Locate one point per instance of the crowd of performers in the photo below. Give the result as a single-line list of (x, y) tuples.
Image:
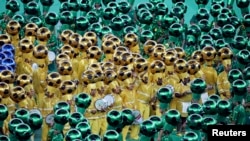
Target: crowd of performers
[(112, 71)]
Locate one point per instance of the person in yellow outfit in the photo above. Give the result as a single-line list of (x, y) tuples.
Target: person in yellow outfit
[(128, 95), (18, 94), (194, 70), (149, 47), (225, 55), (30, 30), (47, 105), (182, 90), (13, 28), (108, 47), (209, 54)]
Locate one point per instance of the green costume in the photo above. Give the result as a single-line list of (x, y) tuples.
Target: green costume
[(224, 109), (115, 119), (194, 124), (164, 95)]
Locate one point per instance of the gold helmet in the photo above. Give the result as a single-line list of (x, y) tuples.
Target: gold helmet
[(180, 52), (108, 46), (193, 66), (99, 73), (67, 87), (180, 66), (54, 79), (158, 53), (61, 57), (7, 76), (64, 36), (4, 89), (109, 76), (74, 40), (116, 40), (94, 52), (124, 72), (225, 53), (130, 40), (88, 76), (209, 53), (140, 65), (18, 94), (149, 46), (169, 58), (65, 67), (43, 34), (23, 80), (126, 58), (117, 54), (13, 27), (30, 29), (95, 66), (197, 55), (84, 44), (91, 36), (4, 39), (160, 45), (40, 51), (108, 66), (157, 66), (107, 37), (67, 49), (25, 45)]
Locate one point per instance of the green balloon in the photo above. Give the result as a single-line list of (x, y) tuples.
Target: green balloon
[(123, 7), (220, 43), (158, 122), (194, 121), (198, 86), (140, 6), (61, 116), (95, 27), (216, 33), (234, 74), (4, 138), (209, 107), (75, 118), (35, 121), (13, 123), (172, 117), (111, 135), (214, 97), (82, 23), (148, 128), (150, 7), (165, 95), (51, 18), (146, 35), (190, 136), (246, 20), (33, 8), (109, 13), (85, 5), (220, 2), (242, 3), (235, 21), (202, 13), (224, 108), (23, 114), (92, 17), (73, 134), (176, 30), (19, 18), (194, 30), (208, 121), (239, 42), (84, 128), (239, 87), (117, 23), (195, 108), (145, 17), (93, 137), (127, 117), (161, 9), (127, 20), (243, 56), (113, 4), (182, 5), (228, 31), (23, 131), (205, 25), (3, 112), (205, 37), (13, 6), (64, 7), (222, 19), (167, 21), (130, 29), (215, 10), (66, 17), (37, 21), (62, 105), (206, 42), (105, 30), (114, 118), (178, 12), (73, 5)]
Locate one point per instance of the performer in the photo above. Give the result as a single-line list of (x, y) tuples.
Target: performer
[(194, 70), (13, 29), (223, 83), (30, 30), (18, 94), (224, 112), (132, 42)]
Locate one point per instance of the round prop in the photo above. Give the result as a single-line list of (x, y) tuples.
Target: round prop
[(51, 55), (35, 111), (109, 99), (100, 104), (49, 119), (138, 117)]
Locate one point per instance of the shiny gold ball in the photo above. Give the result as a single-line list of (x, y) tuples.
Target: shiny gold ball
[(65, 67), (197, 55), (149, 46), (130, 40), (74, 40), (25, 45), (84, 44), (108, 47), (209, 53), (54, 79), (30, 29), (123, 73), (94, 52), (225, 53), (193, 66), (140, 65), (169, 58), (18, 94), (67, 49), (4, 39), (13, 27), (4, 90), (64, 36), (43, 34), (180, 52), (180, 66), (23, 80), (91, 36), (7, 76), (61, 57), (157, 66), (40, 51), (67, 87), (109, 76)]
